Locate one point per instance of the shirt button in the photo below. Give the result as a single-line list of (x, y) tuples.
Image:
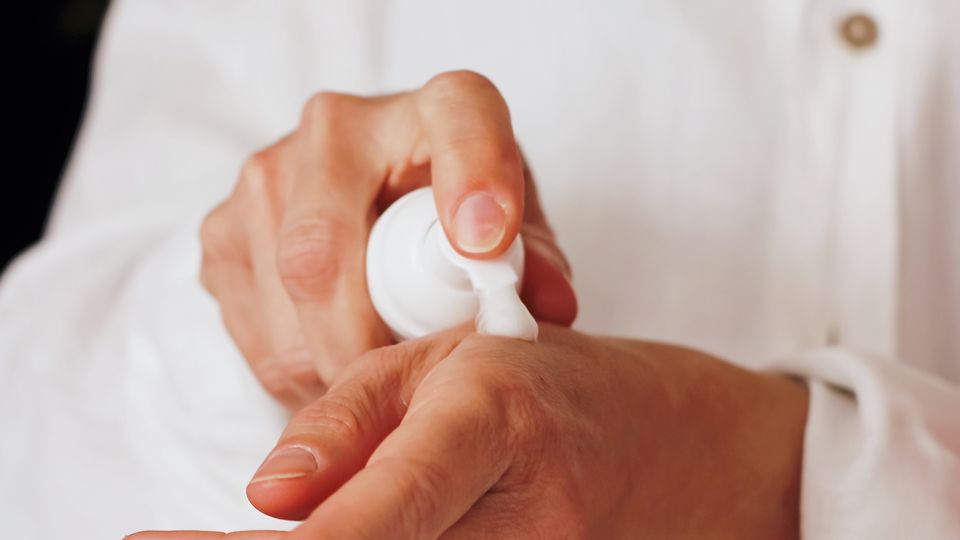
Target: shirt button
[(859, 31)]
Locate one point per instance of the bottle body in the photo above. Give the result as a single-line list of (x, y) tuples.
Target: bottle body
[(419, 284)]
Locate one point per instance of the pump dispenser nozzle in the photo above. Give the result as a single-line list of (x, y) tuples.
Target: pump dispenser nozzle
[(419, 284)]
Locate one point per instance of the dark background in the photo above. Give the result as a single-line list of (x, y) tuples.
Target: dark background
[(47, 89)]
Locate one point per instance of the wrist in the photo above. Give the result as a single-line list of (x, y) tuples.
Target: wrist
[(767, 449), (717, 451)]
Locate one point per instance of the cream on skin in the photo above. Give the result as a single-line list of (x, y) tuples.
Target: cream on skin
[(420, 285)]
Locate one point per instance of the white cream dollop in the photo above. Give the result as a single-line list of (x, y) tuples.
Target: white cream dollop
[(496, 283), (502, 313)]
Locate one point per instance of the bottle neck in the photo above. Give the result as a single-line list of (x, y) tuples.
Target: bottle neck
[(496, 282), (434, 254)]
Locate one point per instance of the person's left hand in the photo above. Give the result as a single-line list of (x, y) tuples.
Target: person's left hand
[(464, 436), (284, 254)]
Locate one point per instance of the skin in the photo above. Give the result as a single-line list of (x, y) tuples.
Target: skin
[(458, 435), (464, 436), (285, 251)]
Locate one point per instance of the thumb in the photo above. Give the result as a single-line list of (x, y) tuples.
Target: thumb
[(476, 168), (480, 182), (328, 441)]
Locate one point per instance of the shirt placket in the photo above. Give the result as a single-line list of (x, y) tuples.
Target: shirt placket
[(862, 37), (833, 238)]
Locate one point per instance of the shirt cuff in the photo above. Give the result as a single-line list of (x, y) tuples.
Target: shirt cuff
[(881, 449)]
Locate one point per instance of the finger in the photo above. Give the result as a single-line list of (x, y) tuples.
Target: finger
[(289, 371), (291, 378), (329, 210), (547, 287), (232, 284), (330, 440), (233, 272), (225, 263), (547, 291), (259, 214), (475, 164), (220, 241), (447, 453), (207, 535)]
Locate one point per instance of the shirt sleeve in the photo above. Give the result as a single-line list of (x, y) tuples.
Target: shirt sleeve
[(881, 449)]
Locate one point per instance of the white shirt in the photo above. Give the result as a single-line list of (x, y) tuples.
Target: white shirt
[(733, 178)]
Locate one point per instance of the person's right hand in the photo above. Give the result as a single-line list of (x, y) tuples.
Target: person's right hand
[(284, 254)]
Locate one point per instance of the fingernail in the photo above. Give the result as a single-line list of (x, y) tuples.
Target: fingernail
[(287, 463), (479, 223)]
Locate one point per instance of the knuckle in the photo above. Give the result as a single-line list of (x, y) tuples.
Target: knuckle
[(208, 279), (273, 381), (287, 373), (386, 358), (260, 179), (309, 258), (257, 166), (335, 415), (262, 175), (455, 82), (532, 424), (326, 109), (519, 400), (218, 236), (483, 410), (373, 365), (214, 227)]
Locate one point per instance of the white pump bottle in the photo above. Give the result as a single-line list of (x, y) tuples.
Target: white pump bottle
[(419, 284)]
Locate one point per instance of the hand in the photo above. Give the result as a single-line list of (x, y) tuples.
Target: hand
[(284, 254), (464, 436)]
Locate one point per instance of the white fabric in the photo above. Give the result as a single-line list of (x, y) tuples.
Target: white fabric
[(732, 177)]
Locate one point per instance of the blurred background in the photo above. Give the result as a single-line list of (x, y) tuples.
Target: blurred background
[(48, 88)]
